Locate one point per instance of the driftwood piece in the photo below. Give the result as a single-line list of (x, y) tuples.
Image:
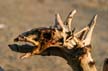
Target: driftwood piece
[(61, 40), (105, 66)]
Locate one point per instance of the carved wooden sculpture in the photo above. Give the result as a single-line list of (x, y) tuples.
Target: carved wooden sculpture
[(61, 40)]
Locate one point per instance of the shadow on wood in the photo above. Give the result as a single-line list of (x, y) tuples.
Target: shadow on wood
[(71, 57), (21, 48)]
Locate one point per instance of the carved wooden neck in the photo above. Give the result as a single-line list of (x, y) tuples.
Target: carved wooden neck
[(81, 60)]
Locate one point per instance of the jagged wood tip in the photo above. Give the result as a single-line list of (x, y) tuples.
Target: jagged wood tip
[(69, 19), (88, 36)]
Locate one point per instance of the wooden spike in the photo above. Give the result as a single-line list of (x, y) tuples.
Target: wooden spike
[(93, 21), (84, 29), (87, 39), (59, 21), (56, 25), (69, 19)]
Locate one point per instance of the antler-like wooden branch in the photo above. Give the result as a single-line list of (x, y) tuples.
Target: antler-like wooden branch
[(88, 36), (59, 21), (66, 28), (69, 19)]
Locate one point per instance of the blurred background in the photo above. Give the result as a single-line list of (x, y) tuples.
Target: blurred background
[(17, 16)]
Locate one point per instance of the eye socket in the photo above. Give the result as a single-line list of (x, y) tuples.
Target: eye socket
[(47, 35), (36, 39)]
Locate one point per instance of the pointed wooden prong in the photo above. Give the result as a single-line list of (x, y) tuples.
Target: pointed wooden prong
[(78, 33), (93, 21), (69, 19), (59, 21), (56, 25), (87, 39), (81, 33), (89, 28)]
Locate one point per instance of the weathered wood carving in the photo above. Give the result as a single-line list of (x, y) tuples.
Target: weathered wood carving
[(62, 40)]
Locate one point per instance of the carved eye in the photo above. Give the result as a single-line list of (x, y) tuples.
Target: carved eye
[(47, 35)]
